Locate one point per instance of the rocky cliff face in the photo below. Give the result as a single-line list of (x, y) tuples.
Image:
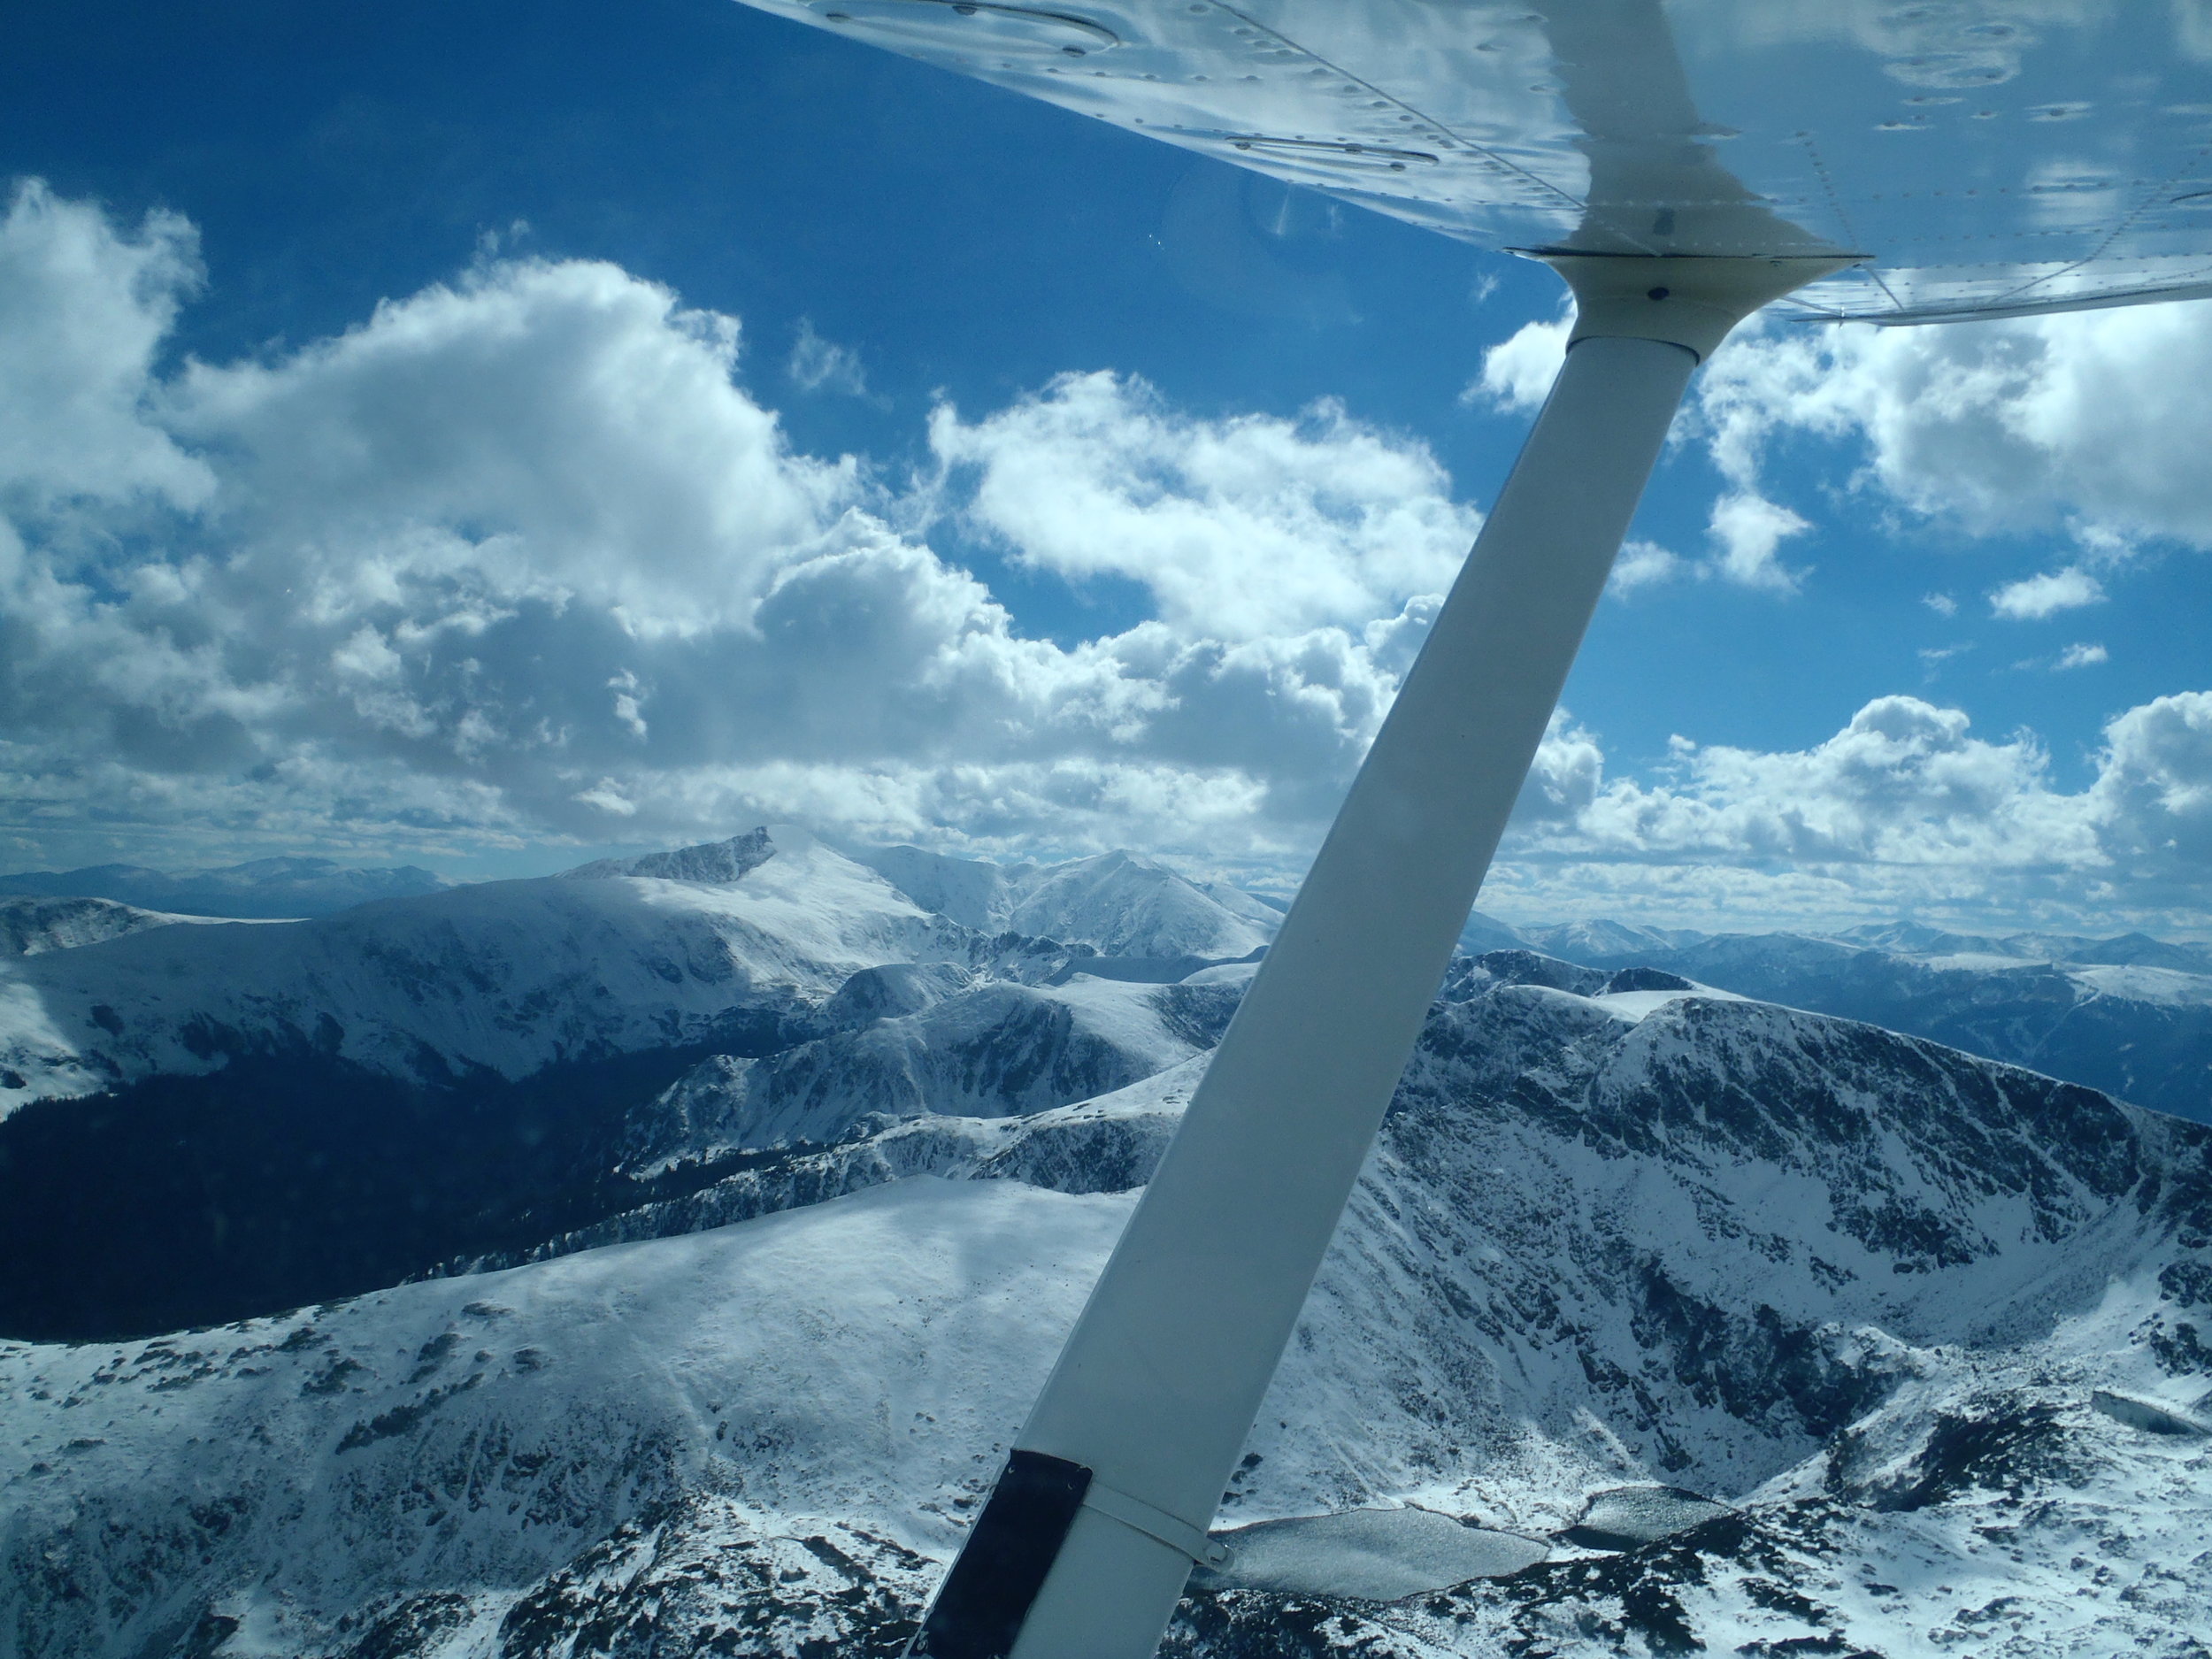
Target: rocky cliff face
[(1935, 1328)]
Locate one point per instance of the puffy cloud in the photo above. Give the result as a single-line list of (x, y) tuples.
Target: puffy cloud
[(539, 430), (2155, 788), (2033, 598), (1644, 564), (2086, 420), (1748, 531), (1239, 528), (1903, 808), (83, 310), (2082, 656), (1903, 783), (1517, 372), (520, 556)]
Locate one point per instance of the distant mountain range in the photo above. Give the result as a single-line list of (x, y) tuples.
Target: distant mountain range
[(2130, 1014), (1119, 903), (263, 888), (621, 956), (199, 1122)]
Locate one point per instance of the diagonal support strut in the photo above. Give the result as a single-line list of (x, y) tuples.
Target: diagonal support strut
[(1161, 1379)]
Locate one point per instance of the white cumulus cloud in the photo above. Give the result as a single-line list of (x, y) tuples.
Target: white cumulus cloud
[(1905, 808), (2088, 420), (1517, 372), (520, 556), (1748, 531), (2033, 598), (1239, 528), (1644, 564), (83, 309)]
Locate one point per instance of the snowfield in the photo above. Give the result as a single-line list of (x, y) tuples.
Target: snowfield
[(1891, 1303), (510, 976), (2131, 1015)]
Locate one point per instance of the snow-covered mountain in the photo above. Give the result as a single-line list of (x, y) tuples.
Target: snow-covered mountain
[(1917, 938), (2116, 1014), (264, 888), (1120, 904), (1605, 941), (988, 1048), (199, 1122), (507, 977), (504, 977), (1932, 1326), (29, 927), (475, 1069), (767, 1180)]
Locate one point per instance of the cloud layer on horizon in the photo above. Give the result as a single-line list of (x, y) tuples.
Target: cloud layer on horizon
[(518, 558)]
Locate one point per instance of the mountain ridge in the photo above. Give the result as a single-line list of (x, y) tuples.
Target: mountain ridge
[(259, 889), (1866, 1289)]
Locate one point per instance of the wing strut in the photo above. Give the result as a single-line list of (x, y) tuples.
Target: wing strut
[(1145, 1413)]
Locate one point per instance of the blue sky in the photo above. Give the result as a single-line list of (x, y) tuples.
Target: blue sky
[(455, 473)]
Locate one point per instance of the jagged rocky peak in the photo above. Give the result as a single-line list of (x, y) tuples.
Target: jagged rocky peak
[(711, 862)]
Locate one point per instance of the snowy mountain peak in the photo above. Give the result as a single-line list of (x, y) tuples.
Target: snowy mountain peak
[(1602, 938), (501, 977), (1121, 904), (970, 891), (711, 862)]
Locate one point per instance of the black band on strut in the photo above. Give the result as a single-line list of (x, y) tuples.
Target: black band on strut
[(979, 1612)]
